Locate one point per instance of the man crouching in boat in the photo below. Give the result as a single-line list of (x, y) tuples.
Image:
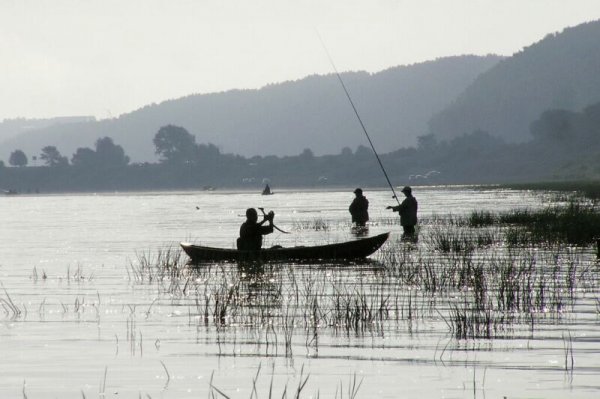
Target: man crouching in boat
[(251, 231)]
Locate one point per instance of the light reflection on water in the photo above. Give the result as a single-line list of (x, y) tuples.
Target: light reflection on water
[(65, 266)]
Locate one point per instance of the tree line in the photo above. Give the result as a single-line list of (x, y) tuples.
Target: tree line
[(106, 153), (174, 145), (564, 145)]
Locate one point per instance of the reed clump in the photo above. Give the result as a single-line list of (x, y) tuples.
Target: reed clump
[(318, 224), (577, 223), (483, 295), (486, 275), (166, 264), (481, 218), (296, 392), (460, 240)]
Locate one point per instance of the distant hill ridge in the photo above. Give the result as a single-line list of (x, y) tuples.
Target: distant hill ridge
[(15, 126), (284, 118), (559, 72)]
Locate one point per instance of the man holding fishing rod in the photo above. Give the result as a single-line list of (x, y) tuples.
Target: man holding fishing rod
[(408, 213), (408, 207)]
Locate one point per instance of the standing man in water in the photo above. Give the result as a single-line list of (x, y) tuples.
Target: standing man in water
[(359, 209), (408, 213), (251, 231)]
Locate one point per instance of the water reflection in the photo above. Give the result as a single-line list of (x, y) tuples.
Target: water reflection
[(460, 309)]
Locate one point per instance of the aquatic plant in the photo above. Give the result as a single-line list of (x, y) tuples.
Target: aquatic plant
[(11, 310), (164, 265), (481, 218), (482, 275), (35, 276), (318, 224), (450, 240), (351, 390), (576, 223)]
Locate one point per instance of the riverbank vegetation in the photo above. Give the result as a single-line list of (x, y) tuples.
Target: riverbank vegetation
[(564, 151)]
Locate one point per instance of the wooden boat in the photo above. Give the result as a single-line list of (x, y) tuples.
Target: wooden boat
[(345, 250)]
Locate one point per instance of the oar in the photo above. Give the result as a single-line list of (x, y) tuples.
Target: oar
[(275, 227)]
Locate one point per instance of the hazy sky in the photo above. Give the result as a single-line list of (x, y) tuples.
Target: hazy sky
[(107, 57)]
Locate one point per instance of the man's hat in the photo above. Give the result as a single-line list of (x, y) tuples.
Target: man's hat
[(407, 189), (358, 191)]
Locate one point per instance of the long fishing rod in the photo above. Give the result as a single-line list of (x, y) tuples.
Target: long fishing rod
[(358, 117)]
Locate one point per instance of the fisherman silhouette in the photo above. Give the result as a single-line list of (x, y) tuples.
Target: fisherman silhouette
[(251, 231), (408, 213), (359, 209)]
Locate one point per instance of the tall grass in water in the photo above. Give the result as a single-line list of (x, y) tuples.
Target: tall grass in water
[(459, 240), (166, 264), (486, 292), (480, 294), (315, 224), (481, 218), (11, 310), (576, 223), (459, 269), (296, 393)]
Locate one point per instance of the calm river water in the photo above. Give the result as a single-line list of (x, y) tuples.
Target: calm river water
[(80, 318)]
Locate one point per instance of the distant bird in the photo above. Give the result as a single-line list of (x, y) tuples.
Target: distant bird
[(432, 173)]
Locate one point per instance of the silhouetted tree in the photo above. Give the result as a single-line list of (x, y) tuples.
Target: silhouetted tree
[(346, 152), (363, 152), (207, 153), (307, 155), (107, 154), (175, 144), (51, 156), (110, 154), (84, 157), (18, 158)]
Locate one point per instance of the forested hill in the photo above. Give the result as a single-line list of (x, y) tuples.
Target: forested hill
[(560, 71), (285, 118)]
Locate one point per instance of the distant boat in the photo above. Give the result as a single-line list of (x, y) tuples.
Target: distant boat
[(9, 192), (348, 250), (267, 190)]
